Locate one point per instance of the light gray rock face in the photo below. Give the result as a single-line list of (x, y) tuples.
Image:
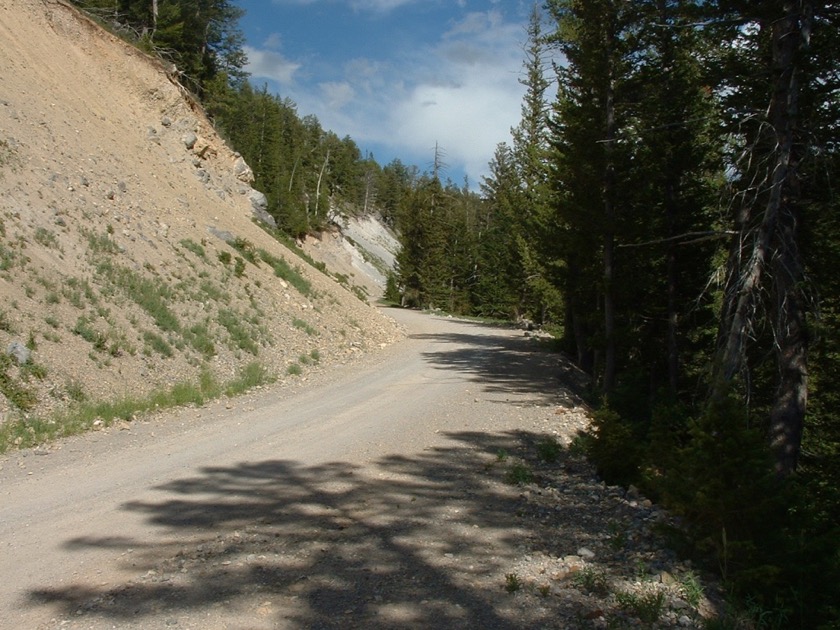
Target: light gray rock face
[(242, 171), (259, 206), (19, 352)]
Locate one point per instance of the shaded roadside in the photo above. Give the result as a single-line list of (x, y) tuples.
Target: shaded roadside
[(429, 541), (433, 539)]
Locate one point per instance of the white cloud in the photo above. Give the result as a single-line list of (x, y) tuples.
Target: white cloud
[(270, 65), (273, 41), (337, 94), (466, 95), (377, 6), (461, 91)]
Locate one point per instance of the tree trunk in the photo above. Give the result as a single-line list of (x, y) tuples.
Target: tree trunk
[(775, 246), (609, 243), (318, 186), (788, 412)]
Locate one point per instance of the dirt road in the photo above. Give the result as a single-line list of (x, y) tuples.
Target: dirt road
[(366, 498)]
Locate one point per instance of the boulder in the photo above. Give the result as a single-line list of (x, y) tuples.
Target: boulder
[(19, 352), (259, 206), (242, 171)]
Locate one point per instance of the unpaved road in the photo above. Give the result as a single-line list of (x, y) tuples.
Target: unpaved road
[(359, 499)]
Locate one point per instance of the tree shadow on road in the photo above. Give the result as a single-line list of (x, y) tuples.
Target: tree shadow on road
[(423, 541), (507, 363)]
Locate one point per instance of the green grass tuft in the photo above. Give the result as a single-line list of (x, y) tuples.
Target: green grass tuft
[(29, 432), (284, 270)]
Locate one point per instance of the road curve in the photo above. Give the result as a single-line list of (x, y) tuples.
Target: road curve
[(90, 520)]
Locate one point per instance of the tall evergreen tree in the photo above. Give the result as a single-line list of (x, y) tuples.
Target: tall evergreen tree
[(532, 233), (593, 38)]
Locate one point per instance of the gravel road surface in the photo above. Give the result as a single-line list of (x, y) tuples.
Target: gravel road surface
[(366, 496)]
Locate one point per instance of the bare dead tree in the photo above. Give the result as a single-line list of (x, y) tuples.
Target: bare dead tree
[(766, 258)]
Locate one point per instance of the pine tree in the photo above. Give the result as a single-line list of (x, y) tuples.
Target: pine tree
[(592, 36), (537, 257)]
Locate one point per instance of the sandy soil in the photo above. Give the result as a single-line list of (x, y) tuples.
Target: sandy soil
[(114, 186)]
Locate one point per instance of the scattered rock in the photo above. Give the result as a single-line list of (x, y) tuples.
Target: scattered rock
[(259, 205), (189, 139), (585, 553), (19, 352), (242, 171)]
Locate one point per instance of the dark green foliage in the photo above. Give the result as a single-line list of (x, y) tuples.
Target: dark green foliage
[(519, 474), (666, 139), (392, 289), (438, 261), (549, 449), (614, 449), (201, 37)]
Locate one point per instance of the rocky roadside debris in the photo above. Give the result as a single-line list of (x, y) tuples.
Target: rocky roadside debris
[(506, 530)]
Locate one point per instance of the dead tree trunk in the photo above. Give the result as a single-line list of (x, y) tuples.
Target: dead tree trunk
[(790, 35), (774, 263)]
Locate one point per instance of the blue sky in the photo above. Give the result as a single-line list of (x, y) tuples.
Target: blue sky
[(397, 76)]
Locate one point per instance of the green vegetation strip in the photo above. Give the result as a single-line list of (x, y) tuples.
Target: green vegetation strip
[(26, 433), (284, 270)]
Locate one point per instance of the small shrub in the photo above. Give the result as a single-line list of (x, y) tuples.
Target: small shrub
[(283, 270), (195, 248), (75, 391), (13, 388), (302, 325), (5, 322), (361, 294), (239, 267), (512, 583), (618, 536), (225, 258), (101, 244), (614, 449), (240, 336), (294, 370), (247, 249), (198, 336), (45, 237), (35, 370), (549, 449), (52, 336), (692, 588), (518, 474), (213, 292), (157, 343), (252, 375), (315, 355), (150, 295), (646, 606), (86, 331), (589, 580)]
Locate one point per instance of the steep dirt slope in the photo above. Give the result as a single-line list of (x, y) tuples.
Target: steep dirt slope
[(129, 256)]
